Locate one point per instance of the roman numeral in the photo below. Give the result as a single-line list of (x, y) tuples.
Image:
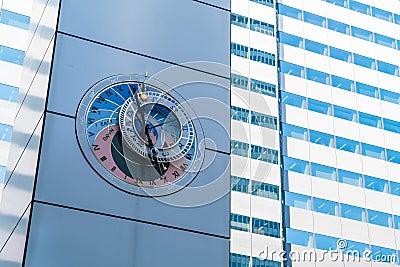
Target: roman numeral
[(103, 158), (113, 169), (96, 147), (152, 183), (175, 174)]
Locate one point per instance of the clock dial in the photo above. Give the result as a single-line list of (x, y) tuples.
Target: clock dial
[(138, 137)]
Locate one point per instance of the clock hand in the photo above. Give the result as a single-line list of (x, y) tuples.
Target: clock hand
[(168, 122), (140, 110), (153, 151)]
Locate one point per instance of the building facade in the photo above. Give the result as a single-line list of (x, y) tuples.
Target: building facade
[(337, 102)]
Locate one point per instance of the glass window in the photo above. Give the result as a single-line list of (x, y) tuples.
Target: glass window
[(239, 50), (297, 200), (370, 120), (290, 12), (238, 260), (239, 184), (294, 131), (384, 40), (382, 14), (364, 61), (257, 262), (338, 26), (240, 222), (297, 165), (350, 178), (263, 120), (393, 156), (262, 27), (262, 56), (353, 212), (5, 134), (291, 40), (390, 96), (342, 3), (362, 34), (355, 246), (381, 254), (340, 54), (269, 3), (8, 93), (316, 47), (373, 151), (396, 18), (265, 190), (345, 113), (397, 222), (14, 19), (321, 138), (388, 68), (300, 238), (368, 90), (325, 242), (12, 55), (239, 114), (317, 76), (291, 69), (359, 7), (239, 81), (314, 19), (392, 126), (264, 154), (323, 171), (326, 206), (347, 145), (239, 148), (395, 188), (380, 218), (376, 184), (342, 83), (239, 20), (293, 100), (264, 227), (263, 88), (320, 107)]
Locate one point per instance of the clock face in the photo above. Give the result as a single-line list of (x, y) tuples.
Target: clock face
[(139, 137)]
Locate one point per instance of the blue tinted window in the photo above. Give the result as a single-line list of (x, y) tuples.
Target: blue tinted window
[(239, 148), (290, 11), (239, 114), (320, 107), (352, 212), (342, 83), (238, 260), (314, 19), (296, 165), (364, 61), (12, 55), (368, 90), (5, 132), (370, 120), (264, 190), (355, 246), (390, 96), (298, 237), (338, 26), (317, 76), (293, 100), (297, 200), (380, 218), (359, 7), (239, 184), (393, 156), (388, 68), (350, 178), (340, 54), (262, 56), (397, 222), (384, 40), (326, 206), (263, 120), (316, 47), (263, 88), (257, 262), (342, 3), (239, 20), (8, 93), (240, 222), (321, 138), (362, 34), (376, 184), (382, 14), (264, 227), (373, 151), (397, 18), (392, 126), (262, 27), (395, 188), (294, 132), (14, 19), (289, 39), (269, 3), (381, 254), (239, 81), (292, 69), (264, 154), (347, 145), (324, 242), (239, 50), (345, 113), (323, 171)]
